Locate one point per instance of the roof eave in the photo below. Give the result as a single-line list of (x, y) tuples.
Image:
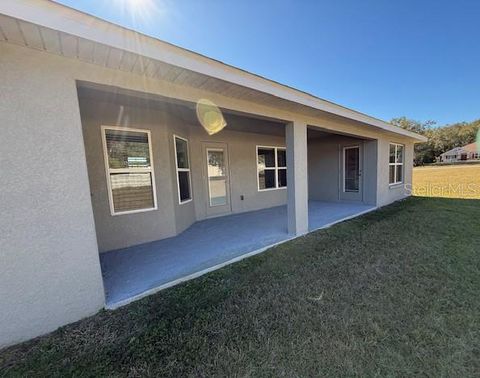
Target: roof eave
[(68, 20)]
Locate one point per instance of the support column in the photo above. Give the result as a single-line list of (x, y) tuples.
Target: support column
[(297, 177), (370, 181)]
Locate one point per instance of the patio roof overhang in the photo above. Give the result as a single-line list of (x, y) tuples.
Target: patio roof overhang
[(55, 28)]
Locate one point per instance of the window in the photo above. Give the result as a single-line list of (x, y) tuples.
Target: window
[(271, 168), (183, 169), (395, 172), (129, 170)]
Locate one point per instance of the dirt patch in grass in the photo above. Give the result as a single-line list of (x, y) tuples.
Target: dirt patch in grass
[(392, 293)]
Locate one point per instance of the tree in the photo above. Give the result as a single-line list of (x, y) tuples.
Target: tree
[(424, 152), (412, 125), (440, 139)]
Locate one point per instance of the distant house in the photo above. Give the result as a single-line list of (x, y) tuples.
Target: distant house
[(468, 152)]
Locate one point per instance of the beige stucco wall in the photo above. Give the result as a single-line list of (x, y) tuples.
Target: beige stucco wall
[(184, 214), (50, 273), (243, 170), (128, 229), (370, 155), (324, 168), (387, 193), (49, 266), (171, 218)]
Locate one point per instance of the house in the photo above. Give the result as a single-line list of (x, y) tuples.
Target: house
[(465, 153), (130, 164)]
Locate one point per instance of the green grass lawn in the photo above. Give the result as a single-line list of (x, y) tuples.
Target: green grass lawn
[(393, 293)]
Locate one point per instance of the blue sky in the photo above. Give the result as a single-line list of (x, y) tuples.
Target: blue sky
[(386, 58)]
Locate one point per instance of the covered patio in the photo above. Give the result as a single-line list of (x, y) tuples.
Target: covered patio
[(133, 272)]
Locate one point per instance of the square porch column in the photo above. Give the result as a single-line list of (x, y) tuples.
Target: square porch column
[(297, 177)]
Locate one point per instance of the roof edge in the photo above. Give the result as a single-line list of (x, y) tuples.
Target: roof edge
[(50, 14)]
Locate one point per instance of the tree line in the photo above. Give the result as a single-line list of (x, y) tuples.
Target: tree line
[(440, 139)]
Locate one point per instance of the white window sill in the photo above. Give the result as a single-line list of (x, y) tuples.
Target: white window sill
[(395, 185), (133, 211), (270, 189)]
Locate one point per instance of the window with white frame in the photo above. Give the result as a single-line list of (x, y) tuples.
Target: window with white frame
[(129, 170), (271, 167), (395, 172), (183, 169)]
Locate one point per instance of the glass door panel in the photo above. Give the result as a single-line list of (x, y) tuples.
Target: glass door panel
[(352, 169), (217, 177), (351, 166)]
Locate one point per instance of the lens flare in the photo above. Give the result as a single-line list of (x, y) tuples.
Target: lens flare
[(210, 116)]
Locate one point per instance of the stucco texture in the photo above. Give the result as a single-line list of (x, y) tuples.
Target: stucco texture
[(171, 217), (49, 271)]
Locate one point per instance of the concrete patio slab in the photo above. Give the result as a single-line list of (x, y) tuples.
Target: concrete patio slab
[(322, 214), (133, 272)]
